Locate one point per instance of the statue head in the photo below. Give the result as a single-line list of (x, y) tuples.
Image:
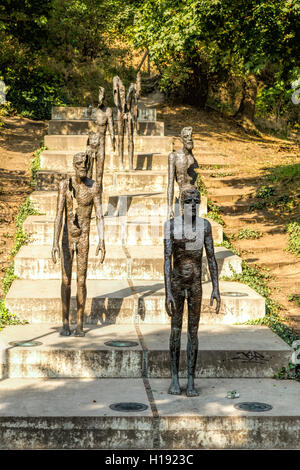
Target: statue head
[(101, 95), (187, 138), (190, 199), (80, 163)]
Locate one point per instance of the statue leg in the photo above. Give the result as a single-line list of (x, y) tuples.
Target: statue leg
[(82, 262), (121, 139), (100, 161), (66, 276), (130, 141), (90, 167), (194, 307), (175, 340)]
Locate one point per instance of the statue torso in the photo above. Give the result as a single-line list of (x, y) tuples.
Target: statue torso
[(185, 165)]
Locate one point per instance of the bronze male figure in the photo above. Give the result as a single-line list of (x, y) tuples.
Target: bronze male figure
[(77, 196), (181, 167), (184, 237), (120, 102), (104, 119)]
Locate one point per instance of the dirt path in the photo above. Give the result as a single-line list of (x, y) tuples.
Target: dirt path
[(19, 138), (244, 163)]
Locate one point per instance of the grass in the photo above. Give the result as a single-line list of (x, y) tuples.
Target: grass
[(35, 165), (293, 230), (248, 234), (284, 174), (21, 238)]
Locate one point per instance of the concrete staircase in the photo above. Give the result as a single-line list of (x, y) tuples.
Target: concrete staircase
[(126, 303)]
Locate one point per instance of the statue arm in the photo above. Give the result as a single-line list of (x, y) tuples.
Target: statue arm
[(212, 265), (58, 220), (171, 178), (168, 248), (99, 221), (111, 127)]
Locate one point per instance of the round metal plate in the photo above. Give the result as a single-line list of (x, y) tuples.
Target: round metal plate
[(128, 406), (234, 294), (121, 344), (253, 406), (25, 344)]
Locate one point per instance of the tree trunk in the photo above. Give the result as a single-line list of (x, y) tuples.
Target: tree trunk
[(246, 111)]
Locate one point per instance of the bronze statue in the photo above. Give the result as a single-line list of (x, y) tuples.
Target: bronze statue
[(181, 166), (104, 119), (184, 237), (127, 109), (77, 196), (91, 150), (120, 102)]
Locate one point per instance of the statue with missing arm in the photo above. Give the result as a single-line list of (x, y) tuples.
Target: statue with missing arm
[(96, 140), (184, 237), (77, 196), (181, 167)]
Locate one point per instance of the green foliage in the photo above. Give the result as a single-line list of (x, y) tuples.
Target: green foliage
[(248, 234), (293, 230), (201, 185), (213, 212), (8, 278), (36, 163), (6, 317), (265, 192), (294, 298), (200, 40), (221, 174), (284, 174)]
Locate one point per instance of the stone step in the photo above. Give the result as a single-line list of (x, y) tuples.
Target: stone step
[(76, 414), (146, 231), (132, 204), (142, 144), (224, 351), (82, 127), (35, 262), (137, 180), (62, 160), (229, 195), (114, 301), (70, 113)]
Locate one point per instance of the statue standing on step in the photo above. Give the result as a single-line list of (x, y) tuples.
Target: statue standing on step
[(184, 237), (77, 196), (120, 102), (127, 109), (104, 119), (181, 166), (91, 150)]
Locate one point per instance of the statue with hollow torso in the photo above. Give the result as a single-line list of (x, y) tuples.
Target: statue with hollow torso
[(184, 238), (77, 195), (181, 167)]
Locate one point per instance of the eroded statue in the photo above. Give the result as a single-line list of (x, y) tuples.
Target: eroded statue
[(184, 238), (96, 140), (181, 167), (77, 196), (127, 110)]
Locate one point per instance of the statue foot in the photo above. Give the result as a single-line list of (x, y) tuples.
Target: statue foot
[(78, 332), (65, 331), (191, 392), (174, 388)]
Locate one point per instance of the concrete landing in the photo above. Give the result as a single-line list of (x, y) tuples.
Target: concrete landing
[(75, 414), (146, 231), (77, 127), (142, 144), (62, 160), (111, 301), (133, 262), (121, 203), (136, 180), (224, 351)]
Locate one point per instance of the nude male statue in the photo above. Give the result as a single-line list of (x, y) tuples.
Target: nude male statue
[(77, 196), (184, 237), (181, 166), (104, 119)]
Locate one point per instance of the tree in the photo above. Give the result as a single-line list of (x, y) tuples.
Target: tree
[(201, 39)]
